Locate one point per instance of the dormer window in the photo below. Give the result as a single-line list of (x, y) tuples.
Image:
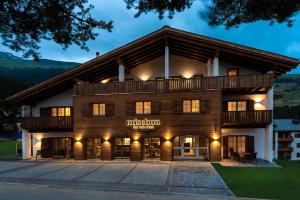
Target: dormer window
[(233, 72)]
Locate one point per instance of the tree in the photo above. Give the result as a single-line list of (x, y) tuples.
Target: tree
[(24, 23), (230, 13)]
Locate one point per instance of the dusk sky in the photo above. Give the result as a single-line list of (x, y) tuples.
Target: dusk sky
[(277, 38)]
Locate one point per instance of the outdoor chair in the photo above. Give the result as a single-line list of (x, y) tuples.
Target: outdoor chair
[(231, 151), (38, 153), (238, 158)]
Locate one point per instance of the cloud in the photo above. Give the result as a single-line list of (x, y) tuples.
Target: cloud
[(294, 49)]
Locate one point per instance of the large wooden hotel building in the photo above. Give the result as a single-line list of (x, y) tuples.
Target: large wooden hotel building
[(170, 95)]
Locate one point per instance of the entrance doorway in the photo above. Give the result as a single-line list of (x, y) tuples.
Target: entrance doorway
[(190, 147), (151, 148), (93, 148), (122, 147)]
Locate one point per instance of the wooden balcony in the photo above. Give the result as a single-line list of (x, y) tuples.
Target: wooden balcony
[(254, 83), (258, 118), (285, 149), (47, 123), (287, 139)]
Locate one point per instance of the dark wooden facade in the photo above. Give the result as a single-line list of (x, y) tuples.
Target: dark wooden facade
[(173, 121)]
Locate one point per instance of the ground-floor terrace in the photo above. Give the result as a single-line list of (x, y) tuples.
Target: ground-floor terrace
[(191, 177), (147, 146)]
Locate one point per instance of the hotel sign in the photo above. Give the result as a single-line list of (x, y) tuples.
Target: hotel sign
[(143, 124)]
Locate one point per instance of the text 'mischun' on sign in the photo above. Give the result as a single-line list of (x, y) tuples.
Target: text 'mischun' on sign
[(143, 124)]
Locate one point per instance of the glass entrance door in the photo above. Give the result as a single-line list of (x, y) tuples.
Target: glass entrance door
[(151, 148), (122, 147), (190, 147), (93, 148)]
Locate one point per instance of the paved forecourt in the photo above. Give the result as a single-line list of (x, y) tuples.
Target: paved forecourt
[(188, 177)]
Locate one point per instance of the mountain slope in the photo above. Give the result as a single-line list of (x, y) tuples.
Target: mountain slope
[(8, 60), (30, 72)]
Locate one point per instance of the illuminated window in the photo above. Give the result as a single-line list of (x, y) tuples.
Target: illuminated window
[(241, 106), (61, 111), (98, 109), (232, 72), (143, 107), (191, 106), (195, 106), (53, 112), (237, 106), (231, 105)]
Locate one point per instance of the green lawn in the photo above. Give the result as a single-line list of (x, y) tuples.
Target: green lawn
[(269, 183), (8, 149)]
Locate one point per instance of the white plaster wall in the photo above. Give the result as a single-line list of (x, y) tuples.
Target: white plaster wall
[(179, 66), (26, 147), (36, 139), (259, 138), (294, 145), (242, 70), (62, 99)]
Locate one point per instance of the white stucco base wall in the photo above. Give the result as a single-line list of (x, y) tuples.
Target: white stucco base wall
[(259, 138), (296, 150), (36, 141)]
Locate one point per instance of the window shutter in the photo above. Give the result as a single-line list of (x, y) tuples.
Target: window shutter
[(45, 112), (225, 147), (155, 108), (225, 106), (250, 105), (250, 144), (205, 106), (130, 108), (86, 110), (109, 109), (177, 106)]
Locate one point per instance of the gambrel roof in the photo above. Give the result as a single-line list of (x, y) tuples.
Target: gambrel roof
[(180, 43)]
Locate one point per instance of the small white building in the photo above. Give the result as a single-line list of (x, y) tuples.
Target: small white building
[(287, 139)]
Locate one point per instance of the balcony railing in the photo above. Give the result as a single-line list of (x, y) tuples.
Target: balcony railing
[(176, 85), (246, 118), (287, 139), (285, 149), (47, 123)]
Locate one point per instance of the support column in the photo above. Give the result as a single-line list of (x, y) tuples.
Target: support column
[(121, 72), (216, 66), (209, 67), (79, 148), (269, 154), (166, 61), (166, 150), (26, 145), (106, 150), (136, 150)]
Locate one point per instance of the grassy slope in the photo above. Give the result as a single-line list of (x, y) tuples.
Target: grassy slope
[(8, 149), (275, 183), (289, 88)]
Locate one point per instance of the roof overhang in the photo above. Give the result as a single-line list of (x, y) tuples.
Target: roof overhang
[(149, 47)]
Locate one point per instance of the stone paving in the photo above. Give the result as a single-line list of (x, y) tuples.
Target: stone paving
[(188, 177)]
